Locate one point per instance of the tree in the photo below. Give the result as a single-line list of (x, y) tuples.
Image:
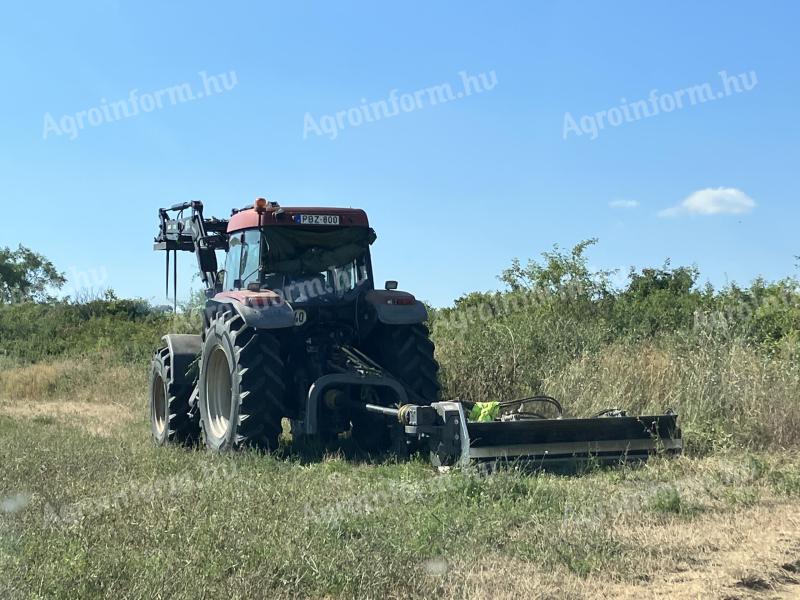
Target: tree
[(26, 276), (660, 299), (566, 274)]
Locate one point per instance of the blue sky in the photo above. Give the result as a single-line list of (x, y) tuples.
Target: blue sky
[(454, 189)]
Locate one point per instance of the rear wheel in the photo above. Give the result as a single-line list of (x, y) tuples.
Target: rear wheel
[(407, 353), (242, 386), (170, 418)]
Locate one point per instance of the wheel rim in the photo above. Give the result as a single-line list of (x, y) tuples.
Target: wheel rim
[(159, 406), (219, 393)]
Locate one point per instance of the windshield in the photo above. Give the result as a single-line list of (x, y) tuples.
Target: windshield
[(303, 264)]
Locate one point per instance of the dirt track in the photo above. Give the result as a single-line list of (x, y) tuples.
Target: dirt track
[(754, 554)]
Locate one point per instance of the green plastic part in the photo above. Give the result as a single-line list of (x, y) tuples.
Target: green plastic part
[(484, 412)]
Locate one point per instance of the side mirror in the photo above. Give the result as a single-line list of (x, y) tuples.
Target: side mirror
[(208, 261), (391, 285), (219, 286)]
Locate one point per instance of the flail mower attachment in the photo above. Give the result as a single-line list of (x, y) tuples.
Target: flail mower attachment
[(510, 431), (612, 438)]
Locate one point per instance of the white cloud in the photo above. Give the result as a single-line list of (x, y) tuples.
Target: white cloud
[(623, 203), (712, 201)]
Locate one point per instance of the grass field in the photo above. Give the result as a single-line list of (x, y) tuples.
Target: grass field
[(90, 509)]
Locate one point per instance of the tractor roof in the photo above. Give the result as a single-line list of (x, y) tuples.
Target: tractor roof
[(298, 215)]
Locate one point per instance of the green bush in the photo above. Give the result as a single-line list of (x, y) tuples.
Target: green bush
[(121, 329), (726, 359)]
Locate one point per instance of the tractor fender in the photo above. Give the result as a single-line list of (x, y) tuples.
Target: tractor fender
[(184, 350), (259, 310), (397, 308)]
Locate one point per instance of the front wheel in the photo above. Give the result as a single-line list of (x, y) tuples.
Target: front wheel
[(242, 389)]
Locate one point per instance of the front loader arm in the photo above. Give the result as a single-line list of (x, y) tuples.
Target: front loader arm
[(194, 234)]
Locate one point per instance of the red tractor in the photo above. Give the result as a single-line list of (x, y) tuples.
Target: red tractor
[(294, 310), (293, 328)]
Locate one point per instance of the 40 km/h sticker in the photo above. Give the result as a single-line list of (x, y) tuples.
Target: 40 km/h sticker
[(300, 317)]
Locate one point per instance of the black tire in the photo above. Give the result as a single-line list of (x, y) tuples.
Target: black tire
[(407, 353), (171, 420), (242, 386)]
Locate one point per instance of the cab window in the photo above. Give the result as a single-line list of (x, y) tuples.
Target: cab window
[(251, 253), (233, 263)]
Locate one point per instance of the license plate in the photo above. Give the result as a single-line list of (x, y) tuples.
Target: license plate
[(300, 317), (317, 219)]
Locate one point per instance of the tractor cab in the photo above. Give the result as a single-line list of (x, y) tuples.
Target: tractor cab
[(304, 255)]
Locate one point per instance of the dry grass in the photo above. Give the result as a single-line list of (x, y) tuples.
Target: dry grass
[(79, 380), (714, 556), (99, 419), (99, 399), (725, 394)]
